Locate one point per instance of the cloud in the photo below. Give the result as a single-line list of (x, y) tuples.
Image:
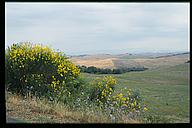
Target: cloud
[(82, 27)]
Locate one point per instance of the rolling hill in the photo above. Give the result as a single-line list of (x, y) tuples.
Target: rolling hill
[(131, 60)]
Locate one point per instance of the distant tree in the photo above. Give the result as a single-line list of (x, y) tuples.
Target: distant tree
[(96, 70), (92, 69), (117, 71)]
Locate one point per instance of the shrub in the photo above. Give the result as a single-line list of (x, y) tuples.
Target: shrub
[(39, 69), (127, 102), (103, 89), (44, 72)]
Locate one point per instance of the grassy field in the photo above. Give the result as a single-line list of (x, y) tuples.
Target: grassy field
[(100, 63), (165, 90), (150, 62)]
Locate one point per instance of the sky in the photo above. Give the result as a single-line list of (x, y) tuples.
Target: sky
[(94, 28)]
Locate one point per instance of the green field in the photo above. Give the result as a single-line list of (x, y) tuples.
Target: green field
[(165, 90)]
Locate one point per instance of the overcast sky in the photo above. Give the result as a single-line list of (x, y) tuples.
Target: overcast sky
[(89, 28)]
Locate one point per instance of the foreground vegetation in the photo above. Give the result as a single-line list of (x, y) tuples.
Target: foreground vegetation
[(166, 91), (42, 73), (44, 85), (31, 110)]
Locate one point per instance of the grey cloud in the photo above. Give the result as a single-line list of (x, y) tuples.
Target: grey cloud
[(89, 26)]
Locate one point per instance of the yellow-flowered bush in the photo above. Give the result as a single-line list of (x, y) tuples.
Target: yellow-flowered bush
[(126, 101), (104, 89), (38, 69)]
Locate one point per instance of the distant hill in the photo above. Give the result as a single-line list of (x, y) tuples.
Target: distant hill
[(173, 55), (148, 60)]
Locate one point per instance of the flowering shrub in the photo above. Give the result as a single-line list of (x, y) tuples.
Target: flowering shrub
[(38, 69), (104, 89), (127, 101), (44, 72)]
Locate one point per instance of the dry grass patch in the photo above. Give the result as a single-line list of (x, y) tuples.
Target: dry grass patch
[(151, 63), (41, 111), (32, 110), (96, 62)]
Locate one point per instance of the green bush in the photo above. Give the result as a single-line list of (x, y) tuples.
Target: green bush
[(126, 102), (39, 70), (36, 69)]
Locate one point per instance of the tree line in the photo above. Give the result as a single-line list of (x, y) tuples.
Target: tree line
[(95, 70)]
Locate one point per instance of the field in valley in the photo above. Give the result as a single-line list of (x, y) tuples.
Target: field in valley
[(165, 87), (99, 61)]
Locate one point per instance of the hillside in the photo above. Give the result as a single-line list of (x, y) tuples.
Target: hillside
[(165, 91), (99, 61), (152, 63), (130, 60)]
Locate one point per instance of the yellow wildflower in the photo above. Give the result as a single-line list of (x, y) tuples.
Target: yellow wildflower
[(145, 109)]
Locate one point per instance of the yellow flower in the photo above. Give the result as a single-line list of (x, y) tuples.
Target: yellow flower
[(132, 104), (120, 95), (145, 109), (102, 92), (123, 99)]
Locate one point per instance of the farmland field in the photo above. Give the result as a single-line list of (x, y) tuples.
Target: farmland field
[(137, 60), (165, 90)]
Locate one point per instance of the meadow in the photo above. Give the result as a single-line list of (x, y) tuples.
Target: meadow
[(43, 85), (165, 90)]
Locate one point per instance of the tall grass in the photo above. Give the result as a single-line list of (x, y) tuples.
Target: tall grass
[(34, 110)]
